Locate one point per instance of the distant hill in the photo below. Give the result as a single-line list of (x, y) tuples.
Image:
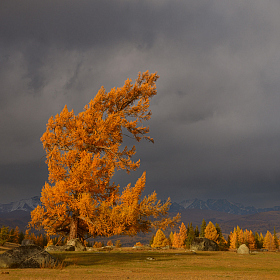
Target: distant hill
[(15, 218), (228, 214), (260, 222)]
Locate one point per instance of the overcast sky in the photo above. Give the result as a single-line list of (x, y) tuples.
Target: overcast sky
[(216, 117)]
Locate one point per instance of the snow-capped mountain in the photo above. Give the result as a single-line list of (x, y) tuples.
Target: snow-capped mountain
[(23, 205), (224, 205)]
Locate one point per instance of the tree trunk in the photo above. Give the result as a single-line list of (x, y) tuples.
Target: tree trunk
[(73, 228)]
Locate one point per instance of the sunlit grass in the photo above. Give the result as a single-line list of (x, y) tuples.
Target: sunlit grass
[(171, 264)]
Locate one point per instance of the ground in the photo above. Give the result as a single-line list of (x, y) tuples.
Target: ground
[(127, 263)]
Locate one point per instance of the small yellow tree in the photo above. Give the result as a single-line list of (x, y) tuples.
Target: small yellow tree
[(183, 233), (233, 239), (160, 240), (118, 244), (269, 243), (180, 238), (16, 234), (171, 238), (177, 241), (250, 239), (211, 232)]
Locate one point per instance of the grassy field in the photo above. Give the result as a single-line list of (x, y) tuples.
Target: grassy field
[(171, 264)]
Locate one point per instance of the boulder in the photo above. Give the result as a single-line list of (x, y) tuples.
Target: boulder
[(203, 244), (243, 249), (28, 256), (63, 248), (26, 242), (77, 244)]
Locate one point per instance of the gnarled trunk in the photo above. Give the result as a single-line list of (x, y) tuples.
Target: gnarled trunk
[(73, 228)]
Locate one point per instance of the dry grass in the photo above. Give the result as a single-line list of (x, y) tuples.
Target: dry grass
[(50, 265), (8, 246), (171, 264)]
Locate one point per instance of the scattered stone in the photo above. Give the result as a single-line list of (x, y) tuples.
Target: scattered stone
[(143, 247), (77, 244), (105, 248), (28, 256), (243, 249), (203, 244)]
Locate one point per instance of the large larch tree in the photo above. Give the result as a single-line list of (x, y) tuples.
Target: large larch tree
[(83, 152)]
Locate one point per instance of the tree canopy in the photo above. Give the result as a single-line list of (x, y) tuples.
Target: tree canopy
[(83, 152)]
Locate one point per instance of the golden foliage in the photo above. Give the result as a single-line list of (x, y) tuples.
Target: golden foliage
[(118, 244), (160, 240), (211, 232), (83, 152), (178, 239), (97, 245), (269, 243), (183, 232), (238, 237)]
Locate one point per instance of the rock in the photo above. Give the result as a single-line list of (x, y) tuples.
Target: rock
[(28, 256), (243, 249), (90, 249), (77, 244), (203, 244), (263, 250), (63, 248), (26, 242)]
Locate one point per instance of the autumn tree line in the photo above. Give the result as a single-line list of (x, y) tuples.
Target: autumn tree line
[(15, 235), (185, 236), (181, 239), (269, 242)]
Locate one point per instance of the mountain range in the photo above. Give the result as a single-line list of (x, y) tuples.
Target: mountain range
[(220, 205), (21, 205), (227, 214)]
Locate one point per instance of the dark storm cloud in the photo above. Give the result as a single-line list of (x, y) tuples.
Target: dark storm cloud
[(21, 180), (74, 24), (216, 117)]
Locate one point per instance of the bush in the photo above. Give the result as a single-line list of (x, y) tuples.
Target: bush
[(118, 244)]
